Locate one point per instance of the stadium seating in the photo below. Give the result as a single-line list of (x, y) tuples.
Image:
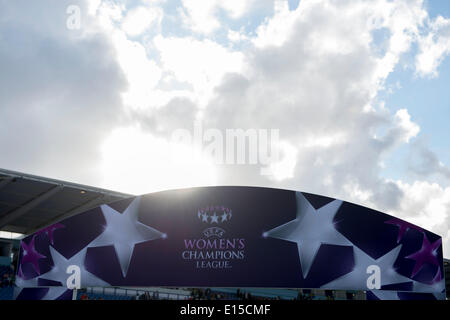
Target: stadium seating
[(99, 296), (6, 292)]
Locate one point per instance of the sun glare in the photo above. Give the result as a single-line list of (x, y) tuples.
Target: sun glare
[(137, 162)]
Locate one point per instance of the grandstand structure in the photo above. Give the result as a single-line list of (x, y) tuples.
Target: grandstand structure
[(447, 277), (29, 203)]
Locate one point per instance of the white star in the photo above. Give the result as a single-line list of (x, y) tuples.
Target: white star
[(357, 278), (224, 217), (214, 218), (205, 217), (54, 293), (21, 282), (310, 229), (440, 296), (59, 270), (124, 231), (433, 288)]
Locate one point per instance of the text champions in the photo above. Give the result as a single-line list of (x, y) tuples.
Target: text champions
[(213, 253)]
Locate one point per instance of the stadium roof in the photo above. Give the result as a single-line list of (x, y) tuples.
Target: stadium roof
[(29, 203)]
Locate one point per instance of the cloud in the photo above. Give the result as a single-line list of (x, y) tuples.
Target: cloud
[(433, 47), (59, 91), (322, 97), (320, 94), (142, 74), (202, 16), (102, 102), (424, 163), (236, 36), (140, 19), (199, 63)]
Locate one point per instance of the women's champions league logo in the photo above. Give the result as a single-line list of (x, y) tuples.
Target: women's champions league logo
[(214, 215), (214, 251)]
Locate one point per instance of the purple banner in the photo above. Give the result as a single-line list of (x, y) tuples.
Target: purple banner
[(234, 237)]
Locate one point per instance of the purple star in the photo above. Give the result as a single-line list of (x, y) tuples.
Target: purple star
[(49, 231), (31, 255), (427, 254), (403, 226)]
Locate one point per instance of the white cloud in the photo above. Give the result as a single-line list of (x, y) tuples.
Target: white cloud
[(321, 95), (276, 30), (284, 168), (236, 36), (404, 122), (424, 163), (143, 74), (202, 16), (433, 47), (140, 19), (59, 89), (107, 14), (202, 64), (314, 73)]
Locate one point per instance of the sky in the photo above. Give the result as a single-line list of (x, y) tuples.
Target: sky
[(93, 91)]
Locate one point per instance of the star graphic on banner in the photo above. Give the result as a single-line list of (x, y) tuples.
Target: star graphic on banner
[(224, 217), (49, 231), (54, 293), (205, 217), (214, 218), (310, 229), (59, 270), (440, 296), (21, 282), (427, 254), (357, 278), (403, 226), (436, 286), (30, 255), (124, 231)]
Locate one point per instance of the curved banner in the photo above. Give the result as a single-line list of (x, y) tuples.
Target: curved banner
[(234, 237)]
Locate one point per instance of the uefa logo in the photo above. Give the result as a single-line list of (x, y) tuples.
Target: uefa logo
[(215, 248), (214, 215)]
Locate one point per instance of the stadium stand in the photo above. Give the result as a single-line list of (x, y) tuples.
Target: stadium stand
[(6, 282), (28, 203)]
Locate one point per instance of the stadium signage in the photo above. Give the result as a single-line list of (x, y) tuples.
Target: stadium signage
[(235, 237), (214, 250)]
